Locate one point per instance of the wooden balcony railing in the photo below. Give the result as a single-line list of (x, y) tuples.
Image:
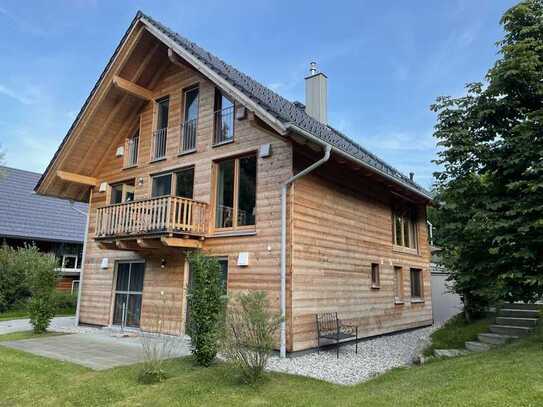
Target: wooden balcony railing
[(169, 214)]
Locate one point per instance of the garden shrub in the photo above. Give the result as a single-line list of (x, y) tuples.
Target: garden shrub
[(14, 289), (41, 274), (249, 335), (206, 307)]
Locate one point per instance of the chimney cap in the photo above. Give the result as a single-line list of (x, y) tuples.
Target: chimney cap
[(412, 176)]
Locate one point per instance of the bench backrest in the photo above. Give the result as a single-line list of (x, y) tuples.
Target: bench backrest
[(327, 322)]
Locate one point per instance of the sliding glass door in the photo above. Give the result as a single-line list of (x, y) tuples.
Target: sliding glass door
[(128, 294)]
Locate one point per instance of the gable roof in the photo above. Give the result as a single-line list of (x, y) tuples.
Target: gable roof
[(290, 115), (282, 109), (24, 214)]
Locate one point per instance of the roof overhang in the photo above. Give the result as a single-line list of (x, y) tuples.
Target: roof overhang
[(362, 163)]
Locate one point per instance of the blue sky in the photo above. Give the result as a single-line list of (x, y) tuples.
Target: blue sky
[(386, 62)]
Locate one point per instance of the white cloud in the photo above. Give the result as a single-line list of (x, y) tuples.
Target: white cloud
[(26, 98)]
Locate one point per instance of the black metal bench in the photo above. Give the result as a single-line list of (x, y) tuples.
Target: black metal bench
[(329, 326)]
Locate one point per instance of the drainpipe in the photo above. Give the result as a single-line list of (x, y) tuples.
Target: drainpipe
[(283, 292), (83, 256)]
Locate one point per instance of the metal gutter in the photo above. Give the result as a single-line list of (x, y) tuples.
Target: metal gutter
[(338, 151), (283, 291)]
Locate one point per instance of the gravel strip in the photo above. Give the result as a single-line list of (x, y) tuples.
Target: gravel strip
[(375, 356)]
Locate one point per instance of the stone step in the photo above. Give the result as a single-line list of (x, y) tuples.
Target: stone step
[(475, 346), (510, 330), (518, 313), (449, 353), (496, 339), (513, 321), (520, 305)]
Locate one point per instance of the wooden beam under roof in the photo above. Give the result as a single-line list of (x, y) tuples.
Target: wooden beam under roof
[(132, 88), (149, 243), (77, 178)]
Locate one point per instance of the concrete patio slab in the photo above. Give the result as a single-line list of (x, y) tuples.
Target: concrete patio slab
[(97, 352)]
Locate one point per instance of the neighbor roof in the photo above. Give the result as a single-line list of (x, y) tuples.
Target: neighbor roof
[(286, 112), (25, 214)]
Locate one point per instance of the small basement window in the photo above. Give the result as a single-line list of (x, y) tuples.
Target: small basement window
[(375, 278)]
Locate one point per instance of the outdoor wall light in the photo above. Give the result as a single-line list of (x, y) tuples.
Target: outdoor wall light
[(140, 181), (162, 263)]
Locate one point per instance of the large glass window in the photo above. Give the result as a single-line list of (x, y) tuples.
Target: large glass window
[(225, 194), (191, 104), (404, 228), (122, 192), (247, 191), (128, 294), (163, 107), (181, 182), (162, 185), (236, 193), (184, 183), (224, 119)]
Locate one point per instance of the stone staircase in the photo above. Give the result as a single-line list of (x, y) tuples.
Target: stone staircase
[(512, 322)]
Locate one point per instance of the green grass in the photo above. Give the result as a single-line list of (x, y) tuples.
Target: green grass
[(506, 376), (456, 332)]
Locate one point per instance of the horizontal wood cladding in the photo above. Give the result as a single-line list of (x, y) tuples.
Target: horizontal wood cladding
[(263, 245), (338, 232)]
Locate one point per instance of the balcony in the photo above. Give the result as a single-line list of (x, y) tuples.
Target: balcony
[(143, 224)]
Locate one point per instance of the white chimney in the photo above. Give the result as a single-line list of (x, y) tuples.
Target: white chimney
[(316, 94)]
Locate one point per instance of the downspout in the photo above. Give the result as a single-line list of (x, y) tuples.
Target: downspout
[(83, 257), (283, 292)]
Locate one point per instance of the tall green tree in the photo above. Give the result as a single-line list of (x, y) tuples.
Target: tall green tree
[(490, 221)]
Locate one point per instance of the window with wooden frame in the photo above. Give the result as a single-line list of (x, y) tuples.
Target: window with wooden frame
[(235, 193), (375, 275), (417, 293), (177, 183), (404, 230), (131, 150), (224, 119), (122, 192), (159, 141), (398, 285), (189, 124)]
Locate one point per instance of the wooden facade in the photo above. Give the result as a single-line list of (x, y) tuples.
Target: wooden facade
[(337, 225)]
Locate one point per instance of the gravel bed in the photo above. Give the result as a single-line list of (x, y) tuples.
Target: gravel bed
[(375, 356)]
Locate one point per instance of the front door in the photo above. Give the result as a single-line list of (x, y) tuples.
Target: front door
[(128, 294)]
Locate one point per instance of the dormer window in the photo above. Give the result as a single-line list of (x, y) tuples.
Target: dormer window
[(224, 119), (160, 134)]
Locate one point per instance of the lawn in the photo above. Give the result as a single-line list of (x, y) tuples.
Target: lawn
[(508, 376)]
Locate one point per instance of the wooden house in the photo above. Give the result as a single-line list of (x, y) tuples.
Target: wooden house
[(176, 150)]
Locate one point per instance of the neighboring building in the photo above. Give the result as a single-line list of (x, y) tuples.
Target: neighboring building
[(445, 303), (177, 150), (53, 225)]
